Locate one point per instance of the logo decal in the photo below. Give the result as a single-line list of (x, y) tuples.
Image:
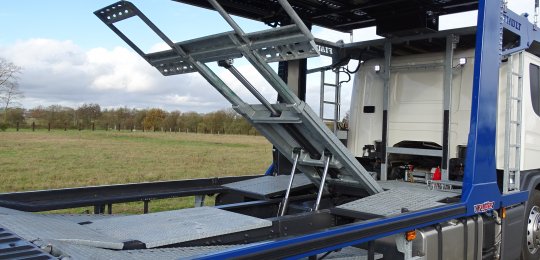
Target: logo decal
[(511, 22), (325, 50), (484, 207)]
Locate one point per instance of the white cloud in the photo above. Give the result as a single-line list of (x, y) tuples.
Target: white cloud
[(60, 72), (125, 70)]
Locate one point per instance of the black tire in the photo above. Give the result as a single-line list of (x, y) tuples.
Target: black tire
[(534, 200)]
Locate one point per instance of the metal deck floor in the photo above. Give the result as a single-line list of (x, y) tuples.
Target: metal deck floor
[(34, 227), (177, 226), (397, 196), (268, 186), (74, 251)]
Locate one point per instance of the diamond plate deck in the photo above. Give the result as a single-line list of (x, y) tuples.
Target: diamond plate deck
[(33, 227), (14, 247), (269, 186), (74, 251), (171, 227), (398, 195), (420, 187), (83, 218)]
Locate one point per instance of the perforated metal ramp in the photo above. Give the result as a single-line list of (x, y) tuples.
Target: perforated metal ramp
[(83, 218), (14, 247), (288, 125), (35, 227), (171, 227), (420, 187), (270, 186), (74, 251), (399, 196)]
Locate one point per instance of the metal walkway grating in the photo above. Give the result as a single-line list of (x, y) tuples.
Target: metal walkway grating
[(177, 226), (38, 227), (397, 197), (14, 247), (270, 186), (74, 251)]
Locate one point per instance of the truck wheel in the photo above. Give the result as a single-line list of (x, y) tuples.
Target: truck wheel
[(531, 246)]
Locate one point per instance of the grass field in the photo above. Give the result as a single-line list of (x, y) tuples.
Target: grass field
[(57, 159)]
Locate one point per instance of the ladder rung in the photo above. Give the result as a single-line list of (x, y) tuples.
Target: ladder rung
[(513, 170), (330, 102), (329, 119), (516, 98), (331, 85), (515, 146), (517, 74), (515, 122)]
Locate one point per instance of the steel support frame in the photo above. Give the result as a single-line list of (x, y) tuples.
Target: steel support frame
[(480, 180), (451, 42)]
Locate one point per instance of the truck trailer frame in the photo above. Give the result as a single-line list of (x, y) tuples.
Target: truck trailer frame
[(312, 148)]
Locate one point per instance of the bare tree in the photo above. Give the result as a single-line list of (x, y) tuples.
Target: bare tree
[(9, 87)]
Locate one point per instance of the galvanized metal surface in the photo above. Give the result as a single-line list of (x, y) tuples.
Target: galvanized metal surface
[(420, 187), (82, 218), (171, 227), (14, 247), (513, 125), (351, 253), (35, 227), (270, 185), (460, 240), (399, 196), (66, 249), (278, 44)]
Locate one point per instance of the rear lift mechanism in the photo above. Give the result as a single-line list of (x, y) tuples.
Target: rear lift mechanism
[(288, 125)]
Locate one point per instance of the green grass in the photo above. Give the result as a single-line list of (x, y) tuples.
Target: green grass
[(57, 159)]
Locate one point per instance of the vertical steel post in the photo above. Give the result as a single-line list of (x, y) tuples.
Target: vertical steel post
[(387, 74), (480, 180), (336, 101), (447, 104), (321, 109)]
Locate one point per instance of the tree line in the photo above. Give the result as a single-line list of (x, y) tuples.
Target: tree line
[(92, 116)]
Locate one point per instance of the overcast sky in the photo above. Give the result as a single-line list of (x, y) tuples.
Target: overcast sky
[(69, 57)]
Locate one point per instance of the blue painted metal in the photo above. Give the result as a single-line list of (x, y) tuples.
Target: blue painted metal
[(237, 252), (270, 170), (519, 25), (480, 179)]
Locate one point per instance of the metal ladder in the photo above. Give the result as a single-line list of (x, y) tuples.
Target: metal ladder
[(513, 124), (291, 125), (337, 98)]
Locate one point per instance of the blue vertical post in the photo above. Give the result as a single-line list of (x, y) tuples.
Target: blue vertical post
[(480, 181)]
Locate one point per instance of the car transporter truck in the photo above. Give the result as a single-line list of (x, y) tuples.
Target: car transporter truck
[(440, 158)]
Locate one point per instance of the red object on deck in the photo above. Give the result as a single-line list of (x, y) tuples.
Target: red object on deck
[(437, 174)]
